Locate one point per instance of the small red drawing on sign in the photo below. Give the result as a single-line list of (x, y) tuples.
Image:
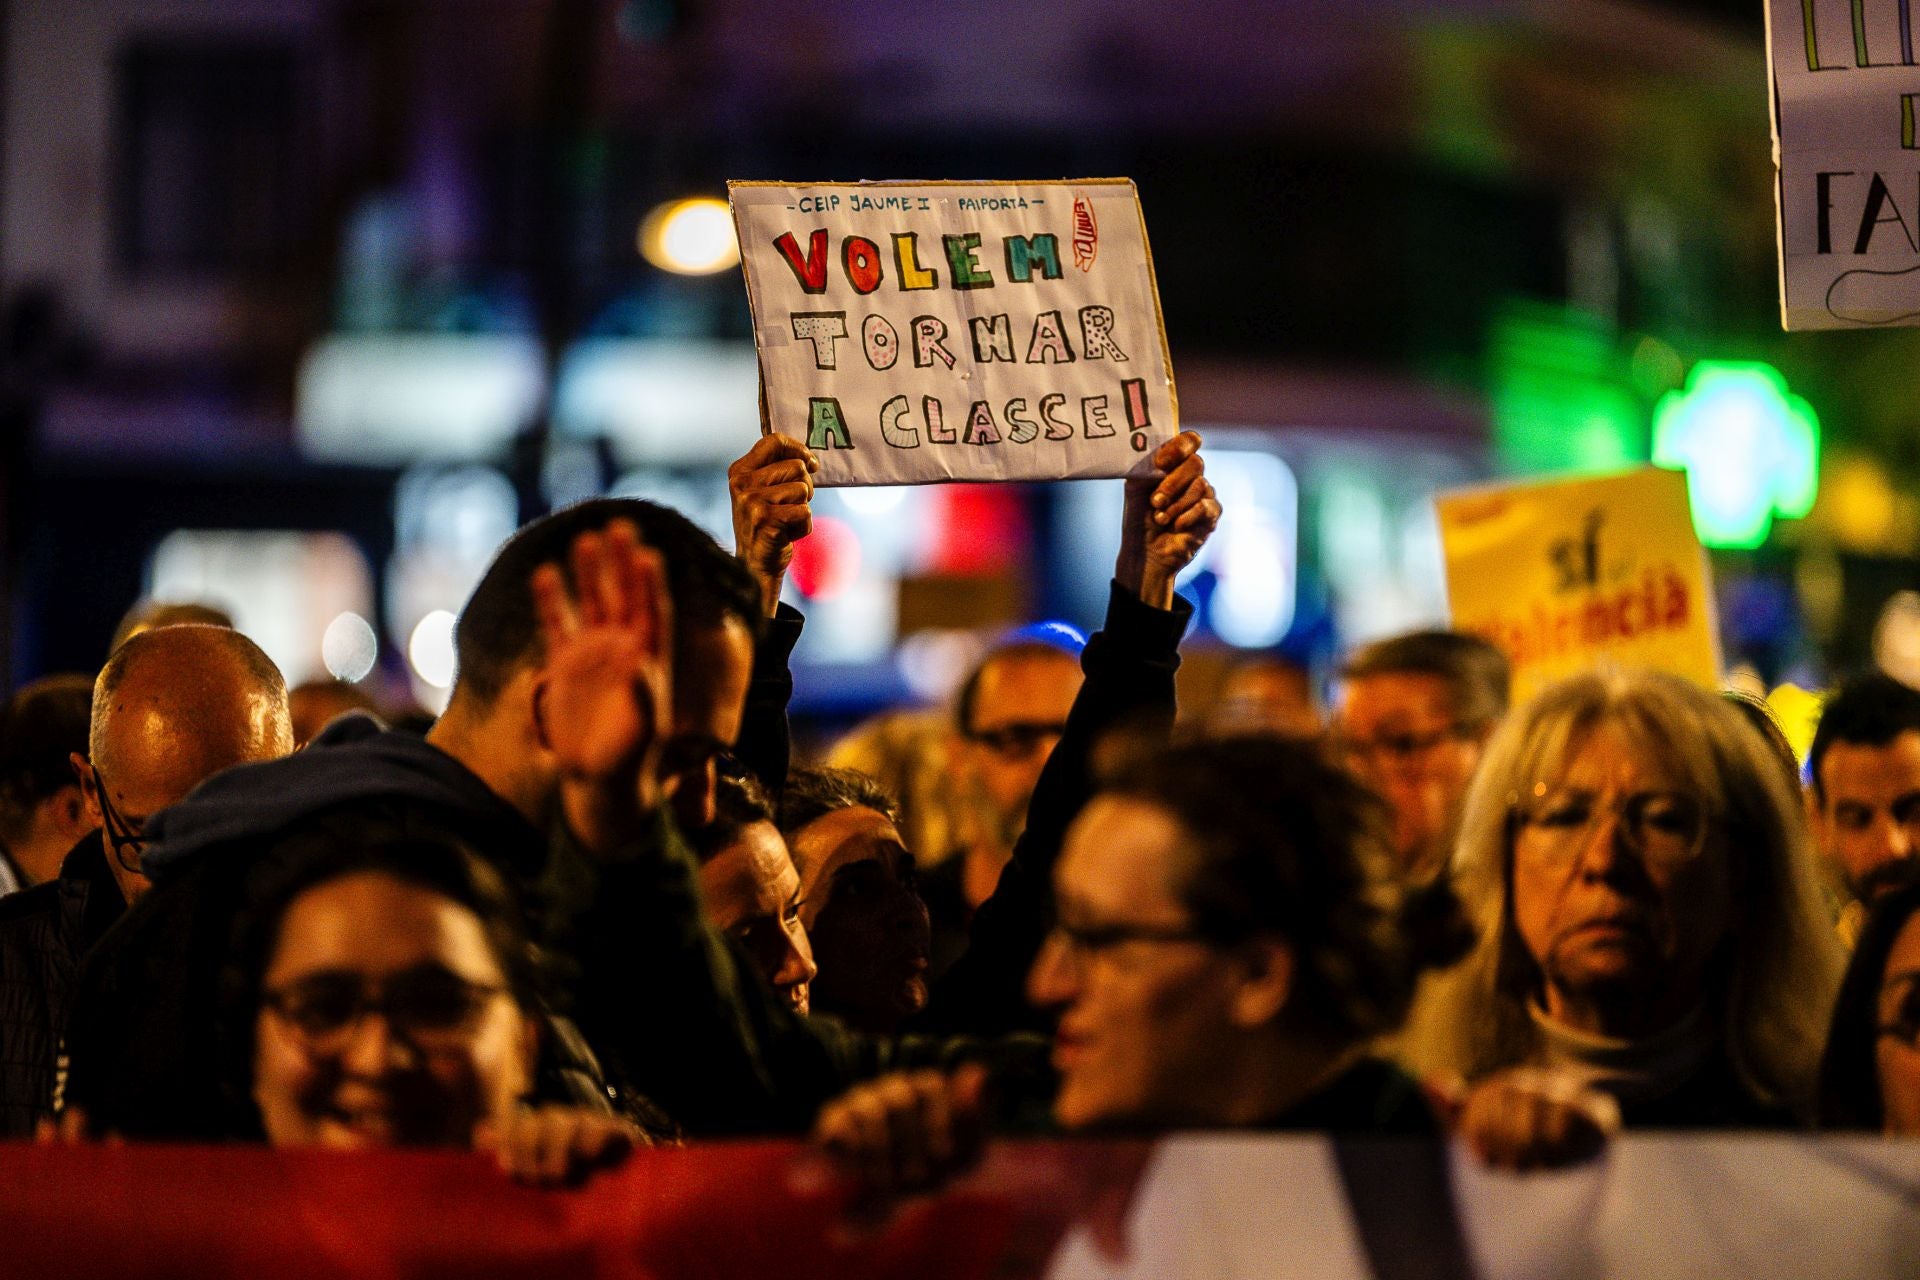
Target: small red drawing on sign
[(1086, 234)]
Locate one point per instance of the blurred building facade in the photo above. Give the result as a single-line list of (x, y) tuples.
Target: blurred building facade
[(355, 282)]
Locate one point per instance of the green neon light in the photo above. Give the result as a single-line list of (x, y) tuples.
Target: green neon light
[(1750, 448)]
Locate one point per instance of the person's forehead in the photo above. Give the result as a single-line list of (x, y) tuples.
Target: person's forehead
[(712, 666), (841, 838), (1390, 697), (1123, 859), (1607, 757), (1863, 770), (374, 923), (1038, 686)]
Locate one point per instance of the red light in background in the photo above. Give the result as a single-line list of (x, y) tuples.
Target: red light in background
[(979, 529), (827, 560)]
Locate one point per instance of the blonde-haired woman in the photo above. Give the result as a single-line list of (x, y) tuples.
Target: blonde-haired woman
[(1651, 919)]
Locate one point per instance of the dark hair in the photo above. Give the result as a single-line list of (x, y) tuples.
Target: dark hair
[(1476, 673), (1849, 1070), (969, 693), (1285, 843), (738, 802), (814, 793), (1871, 709), (41, 725), (499, 629), (347, 843)]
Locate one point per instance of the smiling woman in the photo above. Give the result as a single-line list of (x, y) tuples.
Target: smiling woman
[(383, 994)]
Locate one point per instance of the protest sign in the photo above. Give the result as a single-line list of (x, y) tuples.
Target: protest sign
[(919, 332), (1562, 574), (1845, 88)]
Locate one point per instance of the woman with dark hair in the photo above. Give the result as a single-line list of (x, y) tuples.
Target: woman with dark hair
[(1870, 1076), (382, 992), (1231, 938)]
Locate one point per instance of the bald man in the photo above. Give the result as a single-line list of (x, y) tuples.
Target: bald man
[(172, 707)]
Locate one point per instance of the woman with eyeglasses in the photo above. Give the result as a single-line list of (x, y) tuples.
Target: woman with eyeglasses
[(383, 994), (1870, 1077), (1651, 923), (1232, 936)]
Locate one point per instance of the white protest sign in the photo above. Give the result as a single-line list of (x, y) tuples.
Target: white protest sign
[(1846, 91), (920, 332)]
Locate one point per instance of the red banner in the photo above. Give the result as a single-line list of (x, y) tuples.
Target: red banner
[(1216, 1206)]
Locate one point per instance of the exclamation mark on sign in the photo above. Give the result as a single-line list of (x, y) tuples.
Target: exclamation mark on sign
[(1136, 389)]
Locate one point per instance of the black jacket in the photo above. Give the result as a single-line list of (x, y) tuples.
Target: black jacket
[(1129, 666), (44, 933), (145, 1035)]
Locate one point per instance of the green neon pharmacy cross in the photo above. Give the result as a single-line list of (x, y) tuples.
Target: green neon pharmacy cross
[(1751, 449)]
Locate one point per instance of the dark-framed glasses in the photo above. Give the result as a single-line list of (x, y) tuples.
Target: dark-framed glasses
[(1019, 739), (1401, 747), (1083, 941), (1663, 826), (1905, 1026), (127, 843), (430, 1006)]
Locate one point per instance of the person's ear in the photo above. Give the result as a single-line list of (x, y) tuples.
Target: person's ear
[(89, 788), (537, 699), (70, 811), (1265, 983)]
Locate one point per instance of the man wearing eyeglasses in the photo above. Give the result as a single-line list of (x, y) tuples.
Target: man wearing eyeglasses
[(171, 708), (1008, 717), (1415, 712)]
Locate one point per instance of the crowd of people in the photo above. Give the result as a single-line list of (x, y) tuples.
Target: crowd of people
[(598, 903)]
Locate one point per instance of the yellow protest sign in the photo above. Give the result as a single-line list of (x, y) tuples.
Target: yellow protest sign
[(1563, 574)]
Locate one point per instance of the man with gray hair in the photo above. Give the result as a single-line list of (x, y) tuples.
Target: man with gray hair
[(1415, 713), (172, 707)]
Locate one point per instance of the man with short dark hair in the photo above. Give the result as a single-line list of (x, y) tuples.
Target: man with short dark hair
[(171, 708), (1415, 713), (42, 813), (752, 891), (486, 773), (1865, 768)]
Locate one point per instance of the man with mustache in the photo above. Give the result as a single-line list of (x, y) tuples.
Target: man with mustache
[(1865, 801)]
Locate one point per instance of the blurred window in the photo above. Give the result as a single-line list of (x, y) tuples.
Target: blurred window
[(209, 167)]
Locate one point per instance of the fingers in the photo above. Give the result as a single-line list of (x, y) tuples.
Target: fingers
[(1518, 1124), (767, 452), (906, 1132), (587, 557), (553, 1146), (553, 605), (1173, 452)]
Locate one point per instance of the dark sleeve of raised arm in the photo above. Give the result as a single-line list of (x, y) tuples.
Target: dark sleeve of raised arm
[(1129, 665), (764, 743)]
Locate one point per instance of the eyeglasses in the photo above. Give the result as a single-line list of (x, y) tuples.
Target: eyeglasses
[(431, 1007), (121, 836), (1905, 1026), (1402, 748), (1663, 826), (1083, 941), (1018, 739)]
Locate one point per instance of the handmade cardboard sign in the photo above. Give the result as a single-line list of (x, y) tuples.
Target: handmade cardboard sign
[(919, 332), (1563, 574), (1846, 82)]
